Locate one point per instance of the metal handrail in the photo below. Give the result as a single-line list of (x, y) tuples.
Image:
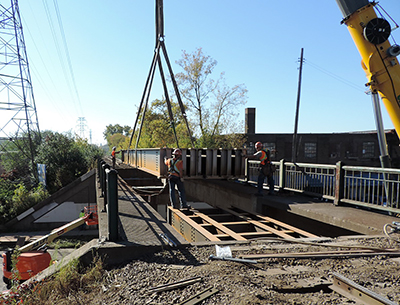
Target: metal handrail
[(376, 188)]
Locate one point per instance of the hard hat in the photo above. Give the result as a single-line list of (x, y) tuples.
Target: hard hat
[(177, 152), (258, 145), (115, 147)]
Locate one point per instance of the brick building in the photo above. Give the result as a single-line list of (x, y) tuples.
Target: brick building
[(352, 148)]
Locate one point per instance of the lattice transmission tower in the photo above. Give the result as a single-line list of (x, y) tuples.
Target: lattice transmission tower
[(19, 125), (81, 128)]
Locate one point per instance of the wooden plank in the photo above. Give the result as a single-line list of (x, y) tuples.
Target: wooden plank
[(263, 233), (232, 223), (287, 226), (220, 227), (262, 226), (221, 235), (279, 223)]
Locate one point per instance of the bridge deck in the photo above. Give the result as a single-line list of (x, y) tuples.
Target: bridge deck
[(299, 210), (140, 224)]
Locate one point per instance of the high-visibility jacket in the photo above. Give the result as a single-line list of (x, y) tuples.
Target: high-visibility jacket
[(175, 166), (264, 157)]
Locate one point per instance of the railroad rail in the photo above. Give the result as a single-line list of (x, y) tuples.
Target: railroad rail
[(230, 224), (357, 293)]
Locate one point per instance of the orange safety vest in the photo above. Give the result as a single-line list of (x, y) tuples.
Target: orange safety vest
[(174, 168), (264, 157)]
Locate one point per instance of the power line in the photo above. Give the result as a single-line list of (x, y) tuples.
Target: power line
[(331, 74), (60, 24), (59, 53)]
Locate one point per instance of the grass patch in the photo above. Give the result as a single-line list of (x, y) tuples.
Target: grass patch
[(66, 243), (73, 284)]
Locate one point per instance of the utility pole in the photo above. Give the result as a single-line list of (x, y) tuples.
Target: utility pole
[(19, 125), (296, 120)]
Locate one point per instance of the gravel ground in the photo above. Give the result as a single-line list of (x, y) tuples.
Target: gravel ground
[(270, 281)]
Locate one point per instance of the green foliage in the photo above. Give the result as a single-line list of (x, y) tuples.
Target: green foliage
[(211, 107), (211, 103), (6, 193), (118, 140), (65, 159), (16, 198), (66, 243), (73, 284), (23, 199), (18, 158), (15, 276), (116, 129), (158, 130)]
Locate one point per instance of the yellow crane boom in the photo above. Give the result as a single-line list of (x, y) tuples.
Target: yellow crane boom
[(370, 33)]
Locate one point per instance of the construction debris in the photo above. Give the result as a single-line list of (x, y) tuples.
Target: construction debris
[(176, 285)]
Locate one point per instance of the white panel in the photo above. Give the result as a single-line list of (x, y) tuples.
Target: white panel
[(24, 214), (65, 212), (44, 210)]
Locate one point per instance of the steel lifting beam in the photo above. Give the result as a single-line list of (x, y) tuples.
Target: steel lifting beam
[(198, 163), (189, 229)]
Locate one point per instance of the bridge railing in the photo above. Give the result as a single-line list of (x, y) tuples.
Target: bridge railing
[(374, 188)]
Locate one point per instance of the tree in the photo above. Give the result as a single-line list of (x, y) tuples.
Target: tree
[(211, 103), (118, 140), (65, 159), (158, 130), (113, 129), (18, 159)]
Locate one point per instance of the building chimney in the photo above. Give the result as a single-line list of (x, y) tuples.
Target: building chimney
[(250, 120)]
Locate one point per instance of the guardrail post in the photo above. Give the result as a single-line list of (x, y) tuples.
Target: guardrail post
[(112, 206), (103, 183), (339, 183), (98, 168), (246, 170), (101, 177), (282, 175)]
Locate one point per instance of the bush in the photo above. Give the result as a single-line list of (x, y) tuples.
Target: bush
[(65, 159), (24, 199), (16, 199)]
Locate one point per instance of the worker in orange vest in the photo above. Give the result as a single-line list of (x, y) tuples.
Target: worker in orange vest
[(113, 153), (266, 169), (175, 178)]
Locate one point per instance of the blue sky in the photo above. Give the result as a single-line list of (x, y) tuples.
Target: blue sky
[(255, 42)]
